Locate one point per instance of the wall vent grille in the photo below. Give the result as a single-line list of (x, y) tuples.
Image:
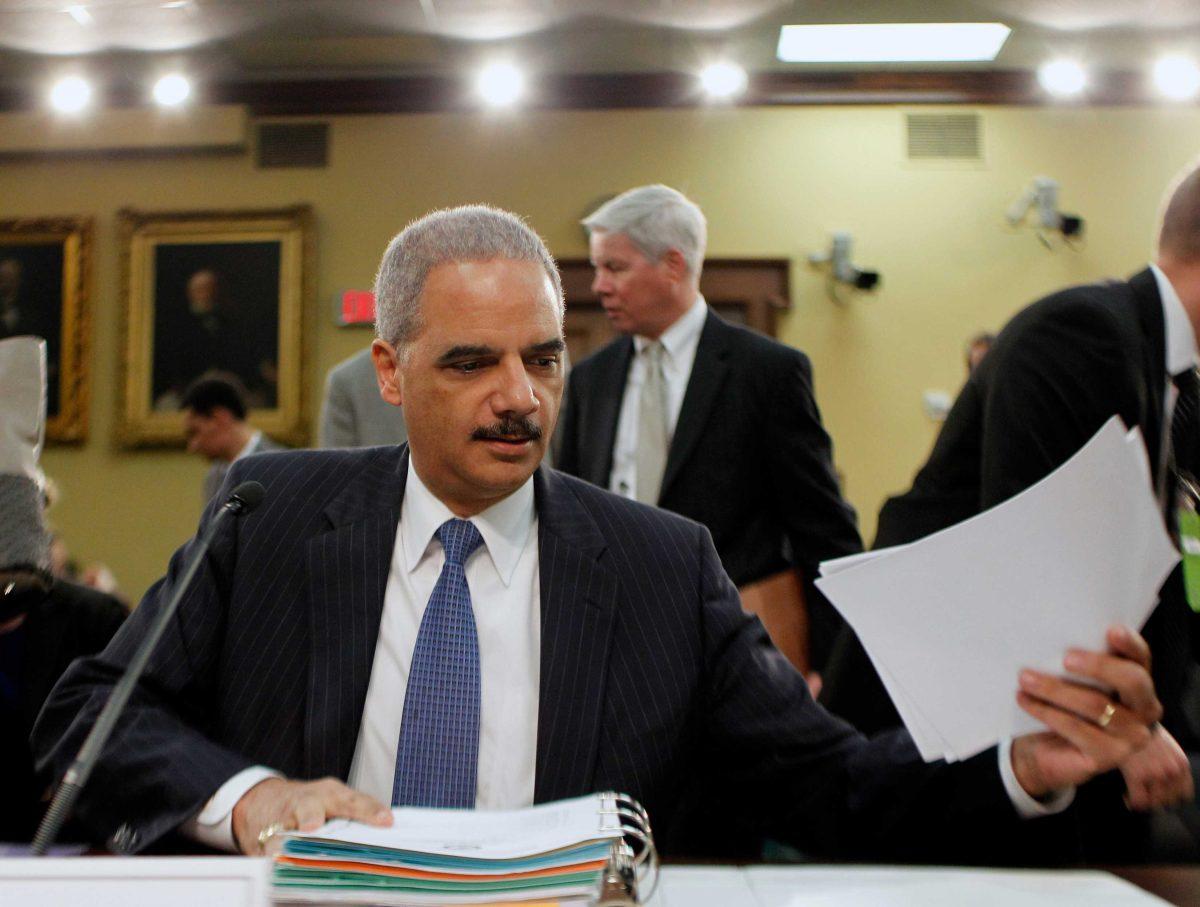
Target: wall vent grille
[(293, 145), (944, 136)]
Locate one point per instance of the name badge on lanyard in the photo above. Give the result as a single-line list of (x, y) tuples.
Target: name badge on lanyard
[(1187, 520)]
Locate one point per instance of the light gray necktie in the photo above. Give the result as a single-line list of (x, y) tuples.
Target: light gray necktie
[(652, 425)]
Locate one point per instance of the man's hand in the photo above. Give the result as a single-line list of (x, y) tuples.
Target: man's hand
[(1157, 775), (1091, 731), (302, 805)]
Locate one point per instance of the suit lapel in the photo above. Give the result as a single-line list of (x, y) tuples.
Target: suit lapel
[(578, 599), (708, 374), (348, 568), (610, 390)]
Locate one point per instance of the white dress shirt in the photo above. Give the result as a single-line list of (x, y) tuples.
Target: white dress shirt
[(1180, 339), (251, 446), (506, 597), (679, 355)]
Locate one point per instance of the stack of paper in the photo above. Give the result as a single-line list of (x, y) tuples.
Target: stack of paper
[(553, 852), (950, 620)]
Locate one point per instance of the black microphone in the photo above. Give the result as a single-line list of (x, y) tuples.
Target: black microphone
[(241, 501)]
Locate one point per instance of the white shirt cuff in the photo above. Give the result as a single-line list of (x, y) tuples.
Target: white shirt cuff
[(1025, 805), (213, 825)]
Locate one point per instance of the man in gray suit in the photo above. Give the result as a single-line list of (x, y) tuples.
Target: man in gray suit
[(352, 413), (215, 425)]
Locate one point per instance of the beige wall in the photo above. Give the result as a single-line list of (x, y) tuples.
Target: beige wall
[(773, 183)]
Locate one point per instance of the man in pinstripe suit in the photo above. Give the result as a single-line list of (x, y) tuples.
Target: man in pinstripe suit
[(610, 647)]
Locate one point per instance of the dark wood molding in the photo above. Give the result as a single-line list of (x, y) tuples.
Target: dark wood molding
[(615, 91)]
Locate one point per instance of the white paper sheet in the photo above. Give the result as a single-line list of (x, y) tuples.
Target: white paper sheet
[(480, 834), (950, 620)]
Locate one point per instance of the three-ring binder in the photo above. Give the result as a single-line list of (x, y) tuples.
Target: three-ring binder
[(632, 873)]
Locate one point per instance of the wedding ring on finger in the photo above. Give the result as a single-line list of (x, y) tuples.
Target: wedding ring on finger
[(268, 833), (1106, 716)]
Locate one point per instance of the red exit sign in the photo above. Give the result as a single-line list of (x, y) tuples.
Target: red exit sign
[(356, 307)]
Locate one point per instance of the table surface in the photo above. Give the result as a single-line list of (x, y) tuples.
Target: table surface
[(715, 885), (244, 882)]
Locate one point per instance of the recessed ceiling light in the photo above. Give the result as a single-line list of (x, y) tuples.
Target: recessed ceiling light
[(80, 14), (1063, 78), (1177, 77), (500, 84), (723, 80), (70, 94), (172, 90), (908, 42)]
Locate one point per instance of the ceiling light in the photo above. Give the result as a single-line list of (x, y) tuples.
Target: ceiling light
[(501, 84), (723, 80), (1177, 77), (172, 90), (1063, 78), (80, 14), (70, 94), (896, 43)]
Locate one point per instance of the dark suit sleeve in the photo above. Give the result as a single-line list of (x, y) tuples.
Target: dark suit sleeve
[(566, 453), (338, 421), (1056, 381), (815, 781), (159, 767), (818, 521)]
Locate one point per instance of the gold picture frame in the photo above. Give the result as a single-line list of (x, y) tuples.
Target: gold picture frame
[(45, 286), (214, 291)]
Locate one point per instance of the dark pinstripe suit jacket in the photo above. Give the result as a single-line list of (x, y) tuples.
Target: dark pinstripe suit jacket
[(653, 681)]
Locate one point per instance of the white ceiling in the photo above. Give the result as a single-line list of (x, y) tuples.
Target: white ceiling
[(294, 38)]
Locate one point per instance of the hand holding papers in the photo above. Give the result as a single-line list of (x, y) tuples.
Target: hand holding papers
[(951, 621)]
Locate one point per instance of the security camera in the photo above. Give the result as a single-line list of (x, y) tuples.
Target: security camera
[(1042, 196), (841, 268)]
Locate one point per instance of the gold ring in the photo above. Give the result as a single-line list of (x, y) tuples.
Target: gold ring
[(268, 833), (1106, 718)]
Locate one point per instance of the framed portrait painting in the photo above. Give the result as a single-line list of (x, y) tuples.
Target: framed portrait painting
[(45, 279), (212, 292)]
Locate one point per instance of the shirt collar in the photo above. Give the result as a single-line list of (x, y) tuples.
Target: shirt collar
[(686, 329), (505, 526), (1181, 337), (251, 445)]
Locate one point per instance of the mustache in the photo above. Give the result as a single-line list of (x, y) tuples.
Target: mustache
[(520, 428)]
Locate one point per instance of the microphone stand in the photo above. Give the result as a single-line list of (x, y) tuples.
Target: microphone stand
[(244, 498)]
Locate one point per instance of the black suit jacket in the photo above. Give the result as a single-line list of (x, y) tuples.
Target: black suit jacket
[(1058, 371), (749, 460), (70, 621), (653, 681)]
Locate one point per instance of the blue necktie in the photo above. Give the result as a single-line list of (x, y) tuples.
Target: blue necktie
[(438, 755)]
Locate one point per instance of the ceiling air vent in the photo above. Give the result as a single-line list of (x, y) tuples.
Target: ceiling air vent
[(944, 136), (293, 145)]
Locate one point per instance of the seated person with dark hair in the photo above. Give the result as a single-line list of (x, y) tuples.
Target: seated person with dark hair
[(214, 422), (45, 623)]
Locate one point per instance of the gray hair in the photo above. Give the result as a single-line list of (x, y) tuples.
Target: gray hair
[(656, 219), (467, 233)]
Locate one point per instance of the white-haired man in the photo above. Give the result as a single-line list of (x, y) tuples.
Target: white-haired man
[(446, 624), (702, 417)]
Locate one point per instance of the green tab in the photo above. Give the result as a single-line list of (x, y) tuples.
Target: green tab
[(1189, 544)]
